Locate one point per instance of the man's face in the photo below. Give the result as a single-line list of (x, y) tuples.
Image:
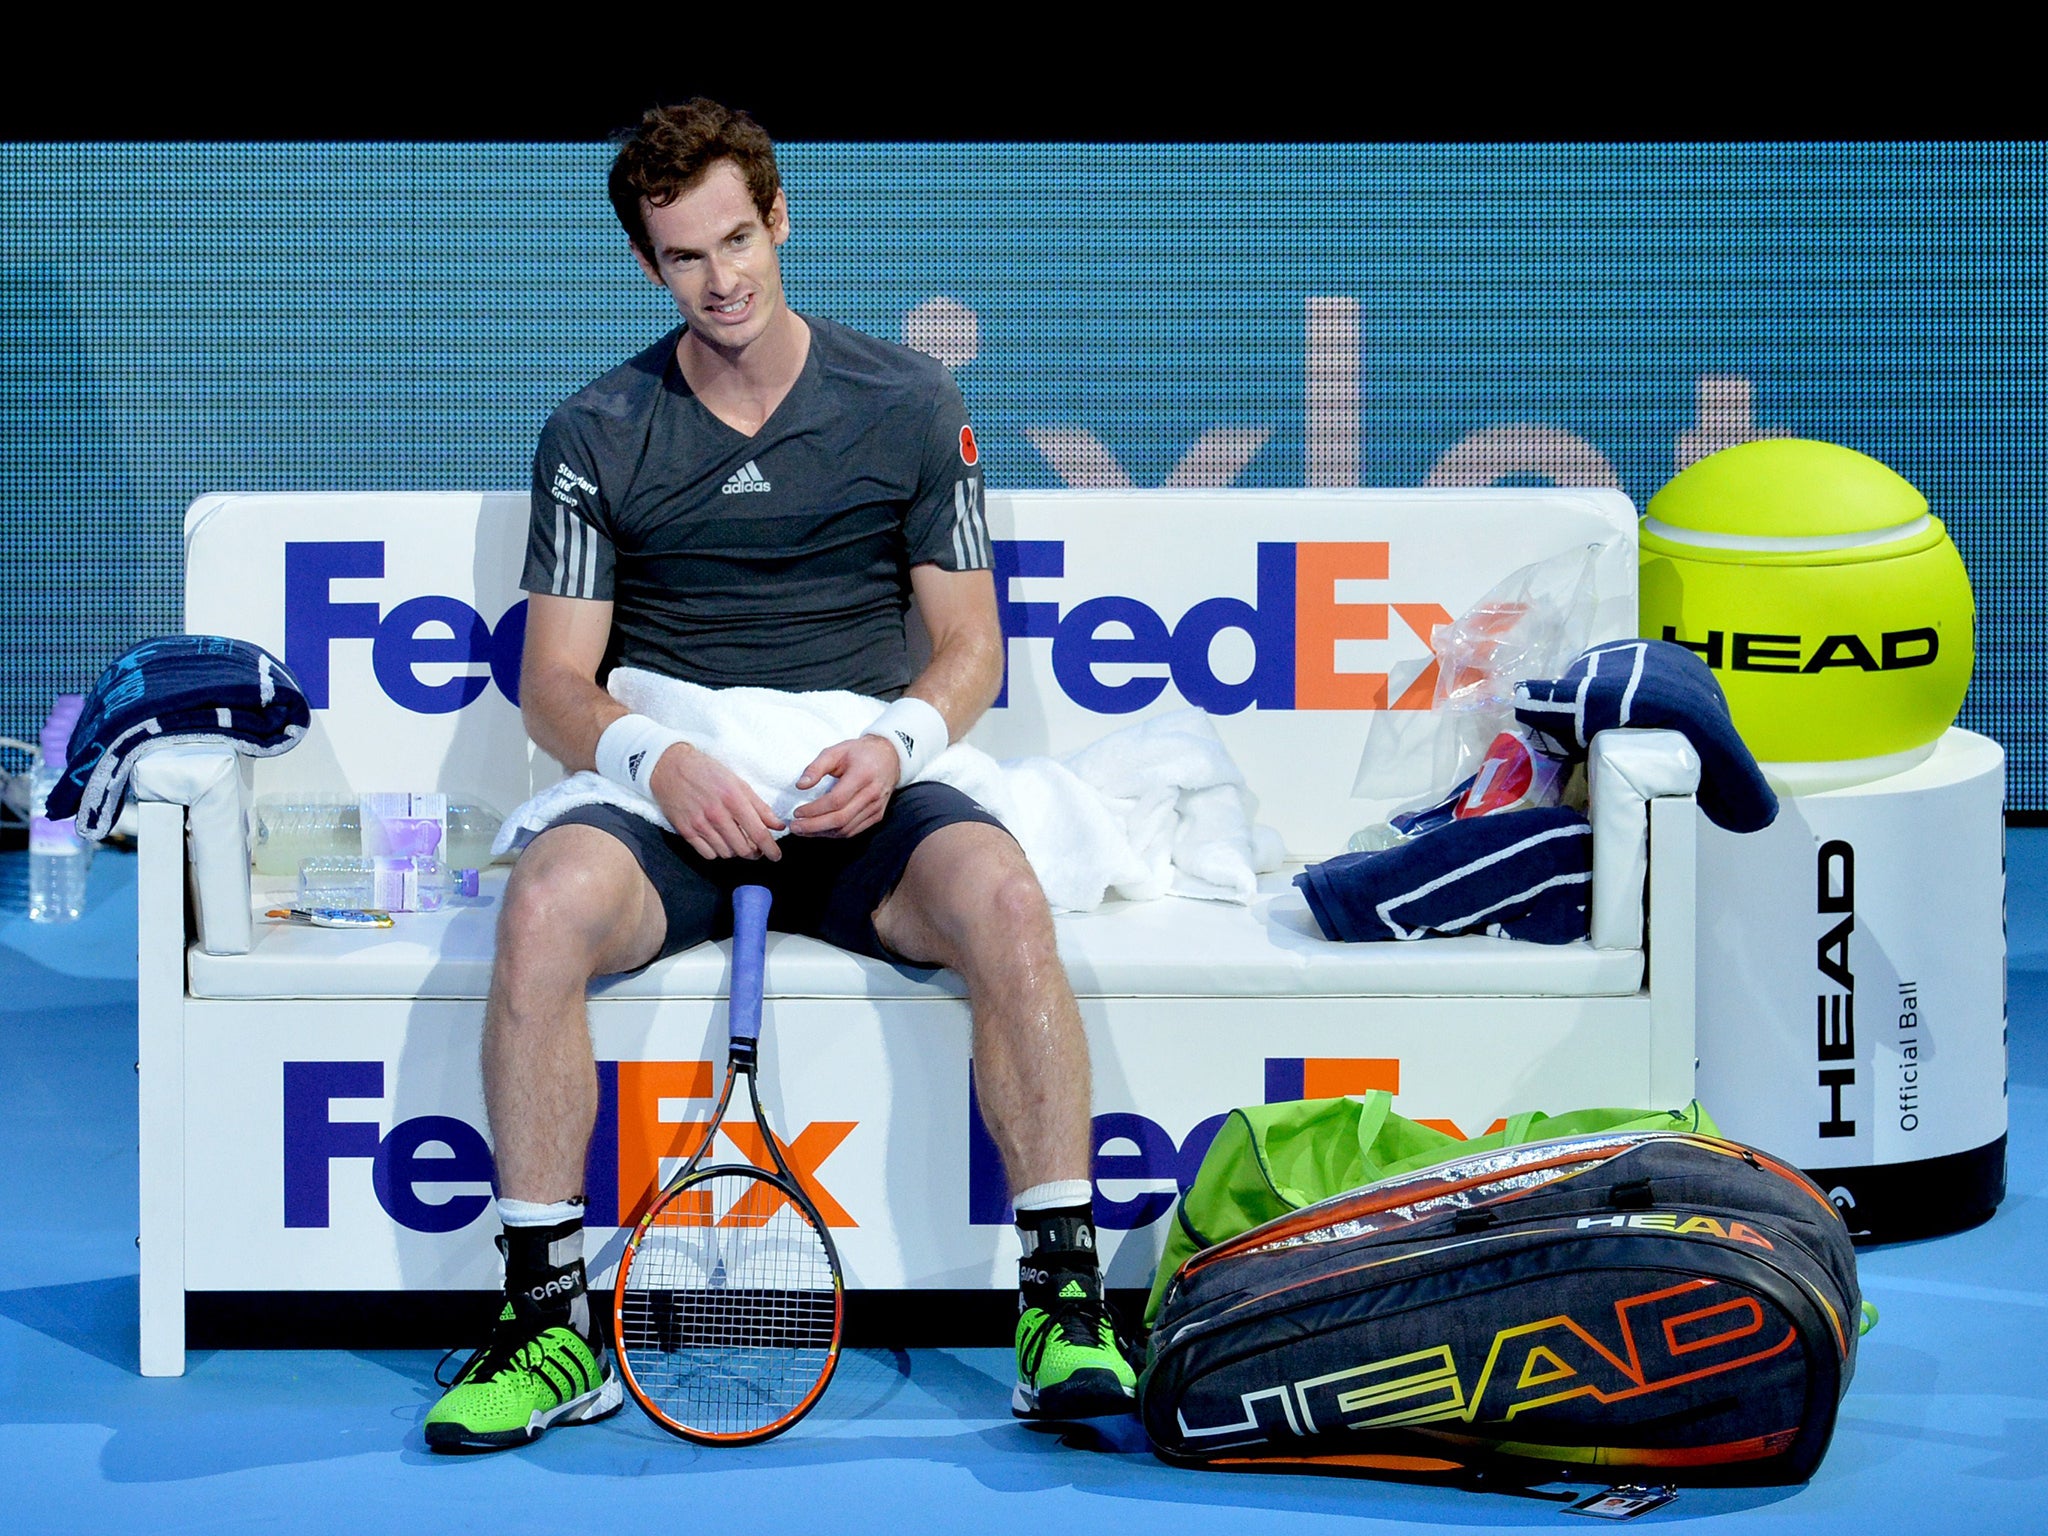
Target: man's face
[(716, 256)]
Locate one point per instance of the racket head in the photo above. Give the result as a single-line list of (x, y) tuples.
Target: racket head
[(728, 1308)]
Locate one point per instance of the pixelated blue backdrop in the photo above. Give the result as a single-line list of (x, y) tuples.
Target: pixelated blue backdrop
[(181, 319)]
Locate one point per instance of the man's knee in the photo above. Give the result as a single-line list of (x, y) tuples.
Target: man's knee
[(973, 903), (577, 900), (1012, 901)]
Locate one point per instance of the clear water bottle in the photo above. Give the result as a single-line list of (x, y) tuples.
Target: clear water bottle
[(406, 883), (472, 825), (291, 830), (58, 857)]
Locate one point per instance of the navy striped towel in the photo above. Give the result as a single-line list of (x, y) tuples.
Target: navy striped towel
[(1514, 875), (173, 690), (1654, 685)]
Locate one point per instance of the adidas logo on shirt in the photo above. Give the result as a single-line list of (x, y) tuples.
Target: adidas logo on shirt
[(745, 480)]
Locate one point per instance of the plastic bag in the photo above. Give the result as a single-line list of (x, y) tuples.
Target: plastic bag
[(1530, 624), (1514, 774)]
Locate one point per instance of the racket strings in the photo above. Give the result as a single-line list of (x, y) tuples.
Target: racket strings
[(729, 1307)]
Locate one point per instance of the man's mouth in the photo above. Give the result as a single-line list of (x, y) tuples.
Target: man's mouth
[(734, 309)]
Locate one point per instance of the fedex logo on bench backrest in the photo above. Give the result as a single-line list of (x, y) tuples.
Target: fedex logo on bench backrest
[(642, 1133), (1301, 612), (1304, 611), (402, 639)]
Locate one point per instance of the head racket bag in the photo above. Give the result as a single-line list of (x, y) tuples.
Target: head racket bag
[(1649, 1300)]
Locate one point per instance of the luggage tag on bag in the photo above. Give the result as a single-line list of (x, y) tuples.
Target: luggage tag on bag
[(1624, 1501)]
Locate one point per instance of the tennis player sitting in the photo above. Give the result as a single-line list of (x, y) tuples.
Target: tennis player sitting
[(752, 501)]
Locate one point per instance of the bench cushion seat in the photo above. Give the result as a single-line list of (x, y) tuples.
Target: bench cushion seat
[(1168, 948)]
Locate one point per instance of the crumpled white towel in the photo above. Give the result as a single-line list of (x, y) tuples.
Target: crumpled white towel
[(1153, 809)]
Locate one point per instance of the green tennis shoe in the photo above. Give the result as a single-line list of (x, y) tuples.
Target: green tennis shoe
[(522, 1384), (1069, 1364)]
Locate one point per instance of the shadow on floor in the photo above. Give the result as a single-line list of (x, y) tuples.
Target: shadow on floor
[(95, 1317)]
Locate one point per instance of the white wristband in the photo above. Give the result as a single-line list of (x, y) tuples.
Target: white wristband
[(917, 732), (630, 747)]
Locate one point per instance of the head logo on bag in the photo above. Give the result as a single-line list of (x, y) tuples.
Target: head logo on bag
[(1679, 1225), (1647, 1343)]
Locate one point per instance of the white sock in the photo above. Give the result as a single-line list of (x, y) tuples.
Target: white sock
[(1060, 1194), (530, 1213)]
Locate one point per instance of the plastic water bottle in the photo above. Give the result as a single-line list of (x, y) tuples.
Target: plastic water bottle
[(58, 857), (292, 830), (472, 825), (289, 831), (407, 883)]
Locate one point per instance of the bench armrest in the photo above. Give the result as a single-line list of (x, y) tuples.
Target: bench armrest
[(1626, 769), (207, 781)]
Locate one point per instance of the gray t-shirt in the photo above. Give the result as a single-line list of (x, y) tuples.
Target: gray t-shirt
[(780, 560)]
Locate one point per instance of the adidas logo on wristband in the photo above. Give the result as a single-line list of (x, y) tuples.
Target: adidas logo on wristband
[(630, 750), (915, 750)]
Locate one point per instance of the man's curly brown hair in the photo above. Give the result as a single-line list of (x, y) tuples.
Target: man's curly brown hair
[(674, 148)]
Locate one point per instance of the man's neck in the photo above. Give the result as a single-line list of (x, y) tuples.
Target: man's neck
[(743, 386)]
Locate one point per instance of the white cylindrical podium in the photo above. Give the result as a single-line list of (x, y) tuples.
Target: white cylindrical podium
[(1851, 990)]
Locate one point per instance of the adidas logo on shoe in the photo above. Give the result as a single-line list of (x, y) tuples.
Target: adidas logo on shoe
[(744, 480), (1073, 1290)]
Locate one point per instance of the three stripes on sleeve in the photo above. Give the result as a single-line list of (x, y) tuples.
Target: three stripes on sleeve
[(580, 553)]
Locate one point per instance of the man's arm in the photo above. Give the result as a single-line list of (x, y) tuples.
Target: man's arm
[(566, 712), (960, 682)]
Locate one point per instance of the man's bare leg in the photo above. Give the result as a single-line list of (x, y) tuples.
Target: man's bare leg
[(577, 906), (969, 900)]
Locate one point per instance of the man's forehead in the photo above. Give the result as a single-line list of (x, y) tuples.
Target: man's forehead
[(716, 205)]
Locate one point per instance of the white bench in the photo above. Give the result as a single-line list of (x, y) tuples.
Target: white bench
[(311, 1113)]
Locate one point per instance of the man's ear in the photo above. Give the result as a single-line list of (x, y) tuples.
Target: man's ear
[(645, 265), (778, 218)]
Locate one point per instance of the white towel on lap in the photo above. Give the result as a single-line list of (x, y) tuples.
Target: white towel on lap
[(1153, 809)]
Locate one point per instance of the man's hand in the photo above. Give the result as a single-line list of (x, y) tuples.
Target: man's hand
[(866, 768), (712, 807)]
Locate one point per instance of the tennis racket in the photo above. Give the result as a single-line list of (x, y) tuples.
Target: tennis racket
[(728, 1307)]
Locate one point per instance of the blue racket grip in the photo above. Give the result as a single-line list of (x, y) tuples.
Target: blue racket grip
[(749, 962)]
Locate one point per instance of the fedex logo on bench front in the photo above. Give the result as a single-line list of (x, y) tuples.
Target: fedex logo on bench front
[(433, 1173), (1140, 1168), (1313, 604)]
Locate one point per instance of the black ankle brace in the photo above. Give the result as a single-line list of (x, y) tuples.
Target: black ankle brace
[(1058, 1234), (544, 1275), (1059, 1252)]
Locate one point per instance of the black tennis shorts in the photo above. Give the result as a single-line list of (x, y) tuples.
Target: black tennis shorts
[(826, 887)]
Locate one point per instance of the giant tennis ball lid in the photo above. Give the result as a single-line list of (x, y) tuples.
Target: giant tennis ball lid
[(1826, 598), (1789, 496)]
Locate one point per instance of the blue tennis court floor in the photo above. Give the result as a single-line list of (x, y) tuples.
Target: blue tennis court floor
[(1945, 1424)]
